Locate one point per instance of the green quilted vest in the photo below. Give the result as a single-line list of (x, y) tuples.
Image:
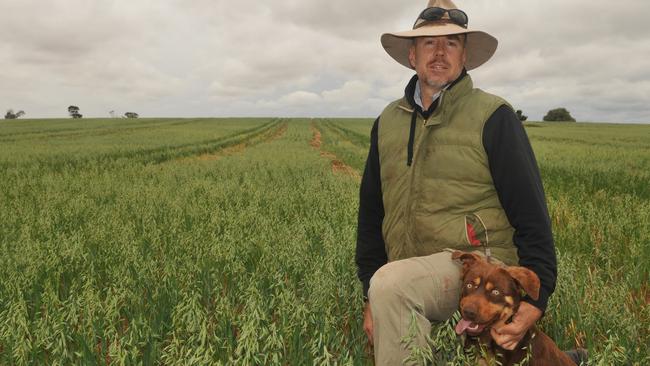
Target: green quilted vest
[(446, 198)]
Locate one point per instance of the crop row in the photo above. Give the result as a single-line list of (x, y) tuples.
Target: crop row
[(117, 154)]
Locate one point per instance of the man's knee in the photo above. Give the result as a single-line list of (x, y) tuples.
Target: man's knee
[(387, 284), (430, 284)]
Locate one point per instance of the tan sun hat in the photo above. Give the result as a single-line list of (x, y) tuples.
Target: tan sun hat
[(480, 45)]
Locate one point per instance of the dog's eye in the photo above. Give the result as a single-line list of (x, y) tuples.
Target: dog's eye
[(469, 286), (496, 292)]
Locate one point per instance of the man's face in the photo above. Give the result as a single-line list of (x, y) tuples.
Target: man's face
[(438, 60)]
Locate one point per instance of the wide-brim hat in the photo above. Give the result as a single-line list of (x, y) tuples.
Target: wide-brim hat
[(480, 46)]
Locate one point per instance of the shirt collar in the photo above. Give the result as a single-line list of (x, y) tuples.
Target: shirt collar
[(417, 95)]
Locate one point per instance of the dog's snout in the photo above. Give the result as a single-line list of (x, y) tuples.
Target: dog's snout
[(470, 312)]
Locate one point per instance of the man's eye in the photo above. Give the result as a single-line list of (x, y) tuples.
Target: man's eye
[(469, 286)]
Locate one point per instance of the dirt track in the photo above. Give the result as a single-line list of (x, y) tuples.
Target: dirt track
[(338, 166), (272, 134)]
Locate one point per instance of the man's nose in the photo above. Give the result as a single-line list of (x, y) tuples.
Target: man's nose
[(439, 48)]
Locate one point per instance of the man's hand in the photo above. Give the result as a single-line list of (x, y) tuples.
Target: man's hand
[(509, 335), (367, 322)]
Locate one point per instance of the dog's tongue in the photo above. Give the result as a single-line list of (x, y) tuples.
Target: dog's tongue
[(462, 326)]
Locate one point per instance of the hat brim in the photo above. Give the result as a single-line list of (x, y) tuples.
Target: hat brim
[(480, 46)]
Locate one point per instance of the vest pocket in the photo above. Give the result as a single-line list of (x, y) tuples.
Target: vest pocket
[(433, 233), (476, 233)]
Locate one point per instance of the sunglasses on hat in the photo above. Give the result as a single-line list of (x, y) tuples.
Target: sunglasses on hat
[(456, 16)]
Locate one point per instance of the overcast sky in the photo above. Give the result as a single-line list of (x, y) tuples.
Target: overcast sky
[(173, 58)]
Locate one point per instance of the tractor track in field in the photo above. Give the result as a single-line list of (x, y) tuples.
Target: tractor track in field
[(338, 166), (356, 139), (93, 132), (268, 136)]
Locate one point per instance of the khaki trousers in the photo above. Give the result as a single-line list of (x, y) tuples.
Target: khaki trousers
[(405, 297)]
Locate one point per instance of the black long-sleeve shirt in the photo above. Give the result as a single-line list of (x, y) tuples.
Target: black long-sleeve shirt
[(518, 184)]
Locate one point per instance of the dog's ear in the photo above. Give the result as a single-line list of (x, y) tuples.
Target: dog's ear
[(526, 279), (468, 259)]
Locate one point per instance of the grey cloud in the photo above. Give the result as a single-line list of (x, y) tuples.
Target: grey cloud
[(347, 19), (60, 28), (585, 55)]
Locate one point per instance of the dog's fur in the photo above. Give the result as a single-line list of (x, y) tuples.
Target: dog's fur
[(490, 297)]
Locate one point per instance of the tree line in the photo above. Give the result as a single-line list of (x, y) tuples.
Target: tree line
[(11, 115), (73, 111), (554, 115)]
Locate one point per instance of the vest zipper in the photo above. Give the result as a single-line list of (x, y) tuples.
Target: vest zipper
[(410, 230)]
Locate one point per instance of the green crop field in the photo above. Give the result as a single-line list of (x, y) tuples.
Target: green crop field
[(231, 241)]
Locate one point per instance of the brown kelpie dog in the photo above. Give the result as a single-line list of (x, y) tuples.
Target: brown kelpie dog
[(490, 296)]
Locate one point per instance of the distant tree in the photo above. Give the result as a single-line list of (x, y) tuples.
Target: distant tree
[(74, 111), (131, 115), (521, 115), (559, 115), (11, 115)]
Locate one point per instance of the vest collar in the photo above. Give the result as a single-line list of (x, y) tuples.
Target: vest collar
[(434, 115)]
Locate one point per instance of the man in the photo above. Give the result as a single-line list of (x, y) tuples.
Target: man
[(449, 167)]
